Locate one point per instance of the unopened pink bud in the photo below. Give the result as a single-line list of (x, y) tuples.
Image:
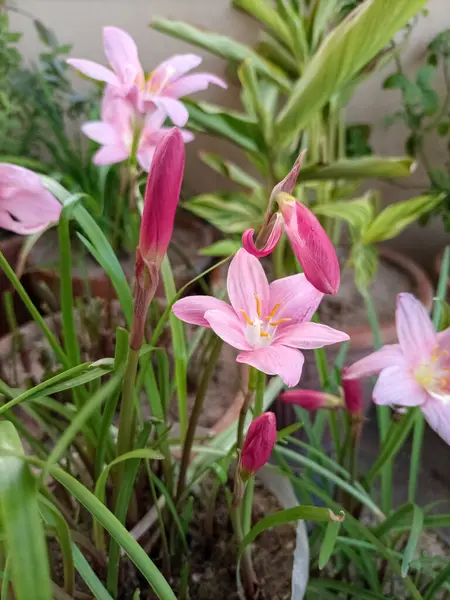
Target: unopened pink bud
[(310, 244), (288, 184), (161, 198), (353, 395), (258, 444), (311, 399)]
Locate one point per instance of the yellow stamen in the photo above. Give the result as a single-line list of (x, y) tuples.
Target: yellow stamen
[(258, 306), (264, 334), (279, 322), (246, 317), (274, 311)]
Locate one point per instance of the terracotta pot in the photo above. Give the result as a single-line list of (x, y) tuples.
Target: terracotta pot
[(437, 269), (89, 279), (11, 247)]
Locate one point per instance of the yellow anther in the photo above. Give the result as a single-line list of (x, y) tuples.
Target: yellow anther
[(264, 334), (258, 306), (274, 311), (246, 317), (279, 322)]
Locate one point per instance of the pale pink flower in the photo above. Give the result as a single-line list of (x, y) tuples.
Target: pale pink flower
[(414, 372), (26, 206), (258, 445), (268, 323), (162, 88), (309, 241), (119, 125)]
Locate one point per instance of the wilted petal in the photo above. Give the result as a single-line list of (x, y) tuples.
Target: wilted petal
[(287, 185), (275, 230), (246, 281), (276, 360), (310, 244), (396, 386), (161, 197), (297, 299), (228, 327), (372, 364), (192, 84), (415, 330), (192, 309), (308, 336), (437, 415), (93, 70)]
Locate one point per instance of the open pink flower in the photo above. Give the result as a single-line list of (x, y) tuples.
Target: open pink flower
[(116, 131), (414, 372), (26, 206), (162, 88), (268, 323), (309, 241)]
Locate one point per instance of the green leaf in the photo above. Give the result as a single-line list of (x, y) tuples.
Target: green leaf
[(395, 81), (361, 168), (345, 51), (435, 586), (395, 218), (21, 521), (307, 513), (264, 11), (229, 212), (88, 576), (351, 590), (357, 213), (413, 540), (222, 248), (365, 263), (329, 541), (222, 46), (230, 170)]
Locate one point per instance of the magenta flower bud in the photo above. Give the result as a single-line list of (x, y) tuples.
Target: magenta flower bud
[(161, 198), (311, 399), (258, 444), (288, 184), (353, 395), (269, 237), (310, 244)]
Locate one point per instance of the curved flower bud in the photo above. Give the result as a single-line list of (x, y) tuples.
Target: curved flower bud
[(311, 399), (310, 244), (353, 395), (258, 445), (270, 238), (287, 185), (161, 198)]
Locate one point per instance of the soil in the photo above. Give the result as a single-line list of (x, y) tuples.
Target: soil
[(347, 308)]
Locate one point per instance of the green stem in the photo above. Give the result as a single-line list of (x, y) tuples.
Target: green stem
[(248, 573), (125, 434), (195, 414)]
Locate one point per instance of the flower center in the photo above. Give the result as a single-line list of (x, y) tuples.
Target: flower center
[(260, 329), (155, 85), (434, 375)]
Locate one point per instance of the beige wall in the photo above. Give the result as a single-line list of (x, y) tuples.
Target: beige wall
[(81, 21)]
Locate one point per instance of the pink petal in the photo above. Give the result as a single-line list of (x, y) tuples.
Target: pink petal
[(308, 336), (396, 386), (122, 54), (227, 326), (288, 183), (415, 330), (192, 309), (100, 132), (311, 245), (246, 278), (145, 155), (174, 109), (191, 84), (298, 299), (110, 155), (276, 360), (188, 136), (372, 364), (437, 415), (443, 339), (93, 70), (276, 229), (179, 64), (155, 120)]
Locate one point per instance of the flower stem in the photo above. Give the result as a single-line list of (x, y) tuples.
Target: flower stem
[(126, 418), (248, 572)]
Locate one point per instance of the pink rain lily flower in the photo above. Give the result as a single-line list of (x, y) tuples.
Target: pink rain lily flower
[(414, 372), (26, 206), (269, 324), (308, 239), (162, 88), (116, 131)]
